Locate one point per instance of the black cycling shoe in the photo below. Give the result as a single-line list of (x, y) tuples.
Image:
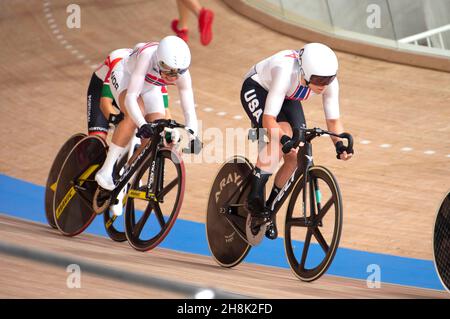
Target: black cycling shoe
[(259, 213), (272, 231)]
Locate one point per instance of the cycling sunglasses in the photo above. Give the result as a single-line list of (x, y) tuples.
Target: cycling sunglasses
[(167, 70), (321, 80)]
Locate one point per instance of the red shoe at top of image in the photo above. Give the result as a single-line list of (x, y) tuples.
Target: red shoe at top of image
[(205, 20), (183, 33)]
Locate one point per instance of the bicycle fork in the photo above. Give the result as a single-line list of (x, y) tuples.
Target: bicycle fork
[(155, 179), (307, 163)]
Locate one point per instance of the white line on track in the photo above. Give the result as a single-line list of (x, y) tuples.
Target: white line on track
[(53, 26)]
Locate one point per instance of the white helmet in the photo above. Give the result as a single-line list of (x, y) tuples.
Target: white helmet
[(319, 60), (173, 54)]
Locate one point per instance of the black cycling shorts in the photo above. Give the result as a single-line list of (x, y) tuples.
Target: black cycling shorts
[(253, 99), (95, 118)]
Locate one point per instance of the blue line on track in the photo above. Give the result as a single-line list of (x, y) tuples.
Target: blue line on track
[(26, 200)]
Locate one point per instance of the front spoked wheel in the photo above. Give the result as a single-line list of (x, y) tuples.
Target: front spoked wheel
[(311, 243), (149, 214)]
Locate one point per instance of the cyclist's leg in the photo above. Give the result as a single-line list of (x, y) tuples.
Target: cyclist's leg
[(253, 98), (107, 103), (291, 116), (286, 169), (97, 123), (123, 132), (153, 104)]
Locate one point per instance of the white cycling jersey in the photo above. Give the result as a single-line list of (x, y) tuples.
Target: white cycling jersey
[(104, 71), (144, 79), (279, 74)]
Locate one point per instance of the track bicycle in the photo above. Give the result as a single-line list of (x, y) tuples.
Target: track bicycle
[(314, 212)]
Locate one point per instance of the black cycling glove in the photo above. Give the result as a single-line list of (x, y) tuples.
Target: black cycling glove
[(287, 144), (341, 148), (146, 131)]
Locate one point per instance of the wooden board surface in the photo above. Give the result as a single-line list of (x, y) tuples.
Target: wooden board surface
[(390, 196)]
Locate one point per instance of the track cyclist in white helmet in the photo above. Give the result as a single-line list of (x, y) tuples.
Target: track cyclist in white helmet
[(271, 96), (139, 77)]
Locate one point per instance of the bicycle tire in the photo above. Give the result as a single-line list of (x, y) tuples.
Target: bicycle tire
[(226, 245), (133, 228), (441, 242), (300, 268), (72, 207), (53, 173)]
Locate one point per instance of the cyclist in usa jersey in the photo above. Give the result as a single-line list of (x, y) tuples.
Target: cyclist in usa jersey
[(136, 83), (271, 96)]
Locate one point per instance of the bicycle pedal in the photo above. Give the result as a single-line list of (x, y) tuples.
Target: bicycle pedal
[(271, 231)]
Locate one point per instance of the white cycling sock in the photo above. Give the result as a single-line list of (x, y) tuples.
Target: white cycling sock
[(113, 154)]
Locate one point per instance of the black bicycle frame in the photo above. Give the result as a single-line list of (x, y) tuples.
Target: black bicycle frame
[(147, 153)]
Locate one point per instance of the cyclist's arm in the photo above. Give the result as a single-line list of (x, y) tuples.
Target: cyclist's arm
[(135, 87), (331, 107), (106, 102), (184, 84), (330, 100), (275, 98), (107, 107), (335, 126)]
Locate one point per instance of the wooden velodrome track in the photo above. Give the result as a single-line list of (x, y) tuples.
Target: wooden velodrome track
[(390, 195)]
